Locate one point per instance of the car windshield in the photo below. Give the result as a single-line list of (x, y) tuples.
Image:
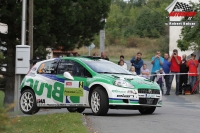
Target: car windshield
[(101, 66)]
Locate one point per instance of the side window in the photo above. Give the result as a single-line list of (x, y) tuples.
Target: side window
[(74, 68), (48, 67), (65, 66)]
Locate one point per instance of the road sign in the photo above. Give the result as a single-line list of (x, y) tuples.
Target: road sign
[(92, 46)]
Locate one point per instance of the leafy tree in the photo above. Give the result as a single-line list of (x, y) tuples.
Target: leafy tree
[(149, 24), (190, 36), (67, 23)]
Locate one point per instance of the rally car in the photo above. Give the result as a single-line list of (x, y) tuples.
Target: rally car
[(77, 83)]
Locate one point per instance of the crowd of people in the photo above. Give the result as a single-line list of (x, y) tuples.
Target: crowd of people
[(165, 68)]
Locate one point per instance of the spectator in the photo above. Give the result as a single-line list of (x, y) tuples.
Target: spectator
[(122, 64), (137, 62), (121, 58), (103, 56), (95, 54), (166, 67), (71, 54), (76, 54), (192, 64), (183, 69), (145, 71), (132, 70), (175, 68), (160, 78), (157, 62)]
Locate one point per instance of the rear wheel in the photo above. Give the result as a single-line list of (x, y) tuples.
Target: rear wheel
[(79, 110), (99, 101), (28, 103), (147, 110)]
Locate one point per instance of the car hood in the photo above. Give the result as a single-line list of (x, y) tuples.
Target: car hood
[(137, 81)]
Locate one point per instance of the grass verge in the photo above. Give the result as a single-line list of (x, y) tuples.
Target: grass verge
[(50, 123)]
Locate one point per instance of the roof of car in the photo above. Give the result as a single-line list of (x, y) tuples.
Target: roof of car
[(83, 57)]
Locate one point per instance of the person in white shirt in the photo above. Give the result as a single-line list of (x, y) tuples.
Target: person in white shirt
[(132, 70), (122, 64), (160, 78)]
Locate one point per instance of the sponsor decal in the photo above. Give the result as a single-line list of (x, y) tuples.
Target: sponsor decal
[(68, 83), (54, 91), (125, 95), (40, 100), (73, 92), (118, 91), (73, 88), (132, 91), (182, 9)]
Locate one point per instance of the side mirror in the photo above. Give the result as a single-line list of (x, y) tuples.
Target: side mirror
[(68, 75)]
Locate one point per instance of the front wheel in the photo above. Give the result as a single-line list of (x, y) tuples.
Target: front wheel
[(79, 110), (28, 103), (147, 110), (99, 101)]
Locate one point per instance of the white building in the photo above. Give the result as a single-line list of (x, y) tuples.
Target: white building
[(175, 31)]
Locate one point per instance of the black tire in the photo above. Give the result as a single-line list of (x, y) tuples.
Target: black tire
[(147, 110), (79, 110), (103, 105), (32, 107)]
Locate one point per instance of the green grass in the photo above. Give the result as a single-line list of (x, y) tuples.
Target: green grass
[(1, 99), (50, 123)]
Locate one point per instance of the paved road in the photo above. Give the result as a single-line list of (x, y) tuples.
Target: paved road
[(179, 114)]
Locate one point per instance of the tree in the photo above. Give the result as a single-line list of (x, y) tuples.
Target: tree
[(190, 36), (66, 23), (149, 24)]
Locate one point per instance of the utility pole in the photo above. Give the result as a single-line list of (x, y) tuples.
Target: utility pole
[(102, 38), (30, 37)]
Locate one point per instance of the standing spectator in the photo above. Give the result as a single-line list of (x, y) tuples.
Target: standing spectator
[(103, 56), (95, 54), (160, 78), (132, 70), (122, 64), (166, 67), (175, 68), (157, 62), (137, 62), (76, 54), (183, 69), (193, 64), (121, 58), (145, 71)]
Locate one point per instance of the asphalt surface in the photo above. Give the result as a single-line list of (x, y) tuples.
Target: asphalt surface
[(179, 114)]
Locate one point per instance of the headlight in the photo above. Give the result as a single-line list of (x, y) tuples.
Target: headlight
[(123, 83)]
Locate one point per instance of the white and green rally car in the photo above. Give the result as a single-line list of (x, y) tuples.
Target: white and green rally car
[(77, 83)]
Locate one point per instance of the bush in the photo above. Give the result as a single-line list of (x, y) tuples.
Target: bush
[(4, 118)]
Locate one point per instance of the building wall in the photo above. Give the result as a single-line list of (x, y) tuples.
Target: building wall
[(175, 31)]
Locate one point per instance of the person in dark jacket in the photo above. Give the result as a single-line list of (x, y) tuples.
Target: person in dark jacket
[(137, 62), (103, 56), (183, 77)]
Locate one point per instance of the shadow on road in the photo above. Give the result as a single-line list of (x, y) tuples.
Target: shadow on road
[(120, 115)]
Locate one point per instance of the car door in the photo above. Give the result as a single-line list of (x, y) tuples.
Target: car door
[(44, 81), (75, 91)]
